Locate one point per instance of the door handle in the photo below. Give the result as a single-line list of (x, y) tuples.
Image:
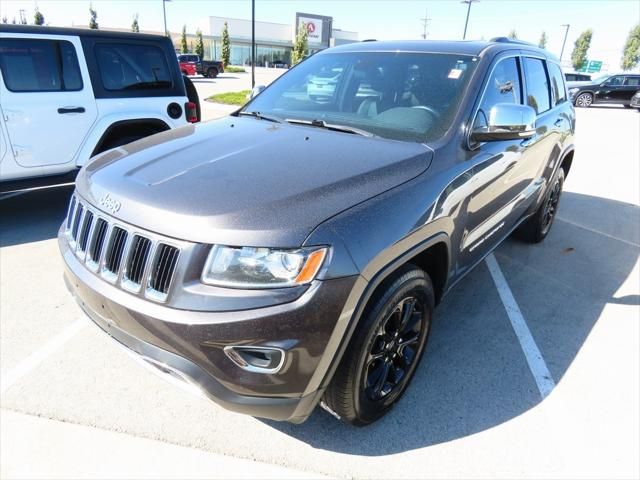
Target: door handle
[(63, 110), (558, 123)]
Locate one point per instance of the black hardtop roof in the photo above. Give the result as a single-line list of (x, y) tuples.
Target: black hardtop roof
[(82, 32)]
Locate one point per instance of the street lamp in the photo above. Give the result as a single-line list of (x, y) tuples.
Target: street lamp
[(468, 2), (566, 25), (253, 43), (164, 16)]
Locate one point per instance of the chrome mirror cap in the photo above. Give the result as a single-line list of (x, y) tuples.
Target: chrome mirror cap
[(507, 121)]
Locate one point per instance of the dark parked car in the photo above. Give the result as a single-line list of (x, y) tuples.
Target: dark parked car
[(207, 68), (605, 89), (635, 100), (275, 279), (577, 77)]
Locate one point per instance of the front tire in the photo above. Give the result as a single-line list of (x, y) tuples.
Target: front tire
[(385, 350), (536, 228), (584, 100)]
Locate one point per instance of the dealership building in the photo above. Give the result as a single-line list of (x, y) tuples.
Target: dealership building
[(274, 41)]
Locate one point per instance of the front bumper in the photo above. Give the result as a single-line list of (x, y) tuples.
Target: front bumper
[(189, 345)]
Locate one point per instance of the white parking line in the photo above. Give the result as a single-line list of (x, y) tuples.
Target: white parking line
[(537, 365), (36, 358), (592, 230)]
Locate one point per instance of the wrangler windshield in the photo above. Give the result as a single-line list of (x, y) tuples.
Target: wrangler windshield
[(401, 96)]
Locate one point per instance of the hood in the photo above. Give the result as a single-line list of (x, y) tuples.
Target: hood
[(244, 181)]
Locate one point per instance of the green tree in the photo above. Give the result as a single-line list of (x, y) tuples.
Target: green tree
[(135, 27), (93, 18), (183, 40), (38, 17), (631, 52), (581, 48), (199, 44), (513, 35), (542, 43), (226, 45), (300, 45)]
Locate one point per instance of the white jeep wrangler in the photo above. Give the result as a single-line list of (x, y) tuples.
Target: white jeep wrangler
[(68, 94)]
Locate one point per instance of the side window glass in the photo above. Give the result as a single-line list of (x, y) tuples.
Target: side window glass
[(502, 87), (132, 67), (632, 81), (614, 81), (39, 65), (557, 83), (537, 85)]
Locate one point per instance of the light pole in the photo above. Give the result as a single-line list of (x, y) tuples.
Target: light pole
[(164, 16), (566, 25), (468, 2), (253, 43)]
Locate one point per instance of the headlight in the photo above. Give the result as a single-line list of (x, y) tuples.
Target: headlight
[(250, 267), (573, 91)]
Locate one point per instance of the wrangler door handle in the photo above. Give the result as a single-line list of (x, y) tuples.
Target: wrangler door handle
[(558, 122), (63, 110)]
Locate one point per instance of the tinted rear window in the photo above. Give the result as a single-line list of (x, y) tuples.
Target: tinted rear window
[(39, 65), (537, 85), (633, 81), (132, 67)]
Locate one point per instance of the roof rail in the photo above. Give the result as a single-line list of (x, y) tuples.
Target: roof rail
[(511, 40), (370, 40)]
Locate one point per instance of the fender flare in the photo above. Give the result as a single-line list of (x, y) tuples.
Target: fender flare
[(354, 307), (98, 129)]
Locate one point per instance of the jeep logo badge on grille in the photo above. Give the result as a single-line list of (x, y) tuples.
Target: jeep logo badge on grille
[(110, 204)]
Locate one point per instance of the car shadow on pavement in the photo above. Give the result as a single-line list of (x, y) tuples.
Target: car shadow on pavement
[(474, 375), (33, 216)]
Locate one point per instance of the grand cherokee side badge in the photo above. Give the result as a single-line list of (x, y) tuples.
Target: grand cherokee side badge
[(110, 203)]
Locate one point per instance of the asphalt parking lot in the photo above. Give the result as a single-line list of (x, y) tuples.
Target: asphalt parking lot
[(474, 409)]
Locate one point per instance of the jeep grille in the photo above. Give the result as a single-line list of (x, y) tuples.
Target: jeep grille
[(136, 261)]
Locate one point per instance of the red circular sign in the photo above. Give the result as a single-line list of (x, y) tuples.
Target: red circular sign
[(311, 27)]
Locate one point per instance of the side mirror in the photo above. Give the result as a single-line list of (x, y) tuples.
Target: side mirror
[(507, 121), (255, 91)]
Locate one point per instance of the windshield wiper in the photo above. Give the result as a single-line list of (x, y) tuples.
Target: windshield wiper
[(259, 116), (330, 126)]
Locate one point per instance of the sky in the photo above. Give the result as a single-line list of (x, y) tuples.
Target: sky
[(611, 20)]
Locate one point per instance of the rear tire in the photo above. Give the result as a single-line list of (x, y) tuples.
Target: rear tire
[(536, 228), (385, 349), (212, 72)]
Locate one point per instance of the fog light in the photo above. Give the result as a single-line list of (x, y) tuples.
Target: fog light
[(256, 359)]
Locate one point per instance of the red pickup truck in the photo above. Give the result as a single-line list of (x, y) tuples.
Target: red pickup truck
[(206, 68)]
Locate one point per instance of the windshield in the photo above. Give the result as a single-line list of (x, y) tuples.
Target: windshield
[(401, 96), (600, 79)]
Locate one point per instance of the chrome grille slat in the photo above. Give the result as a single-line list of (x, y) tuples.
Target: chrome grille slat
[(96, 246), (120, 254), (76, 222), (137, 261), (113, 260), (163, 269), (87, 224)]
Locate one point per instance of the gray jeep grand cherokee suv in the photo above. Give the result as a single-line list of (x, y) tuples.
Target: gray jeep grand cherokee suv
[(294, 252)]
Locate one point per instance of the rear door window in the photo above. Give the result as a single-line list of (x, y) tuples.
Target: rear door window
[(30, 65), (557, 83), (538, 94), (632, 82), (132, 67)]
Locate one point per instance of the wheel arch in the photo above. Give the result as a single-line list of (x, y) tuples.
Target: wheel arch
[(137, 126), (426, 254)]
